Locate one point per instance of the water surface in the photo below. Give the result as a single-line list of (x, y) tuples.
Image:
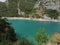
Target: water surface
[(29, 28)]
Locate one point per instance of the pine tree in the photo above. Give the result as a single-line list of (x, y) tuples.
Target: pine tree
[(7, 32)]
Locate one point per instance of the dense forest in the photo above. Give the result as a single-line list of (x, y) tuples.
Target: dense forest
[(9, 8)]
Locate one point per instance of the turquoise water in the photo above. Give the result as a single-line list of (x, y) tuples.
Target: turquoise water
[(29, 28)]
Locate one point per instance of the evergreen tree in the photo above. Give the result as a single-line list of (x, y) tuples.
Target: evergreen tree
[(7, 32), (42, 37)]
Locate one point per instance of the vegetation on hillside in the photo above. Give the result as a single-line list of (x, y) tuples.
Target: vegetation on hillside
[(53, 14), (27, 5), (26, 9), (12, 8), (3, 9)]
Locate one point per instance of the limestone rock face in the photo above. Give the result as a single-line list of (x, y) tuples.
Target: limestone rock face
[(49, 4)]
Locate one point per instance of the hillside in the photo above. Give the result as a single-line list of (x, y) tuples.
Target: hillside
[(29, 8)]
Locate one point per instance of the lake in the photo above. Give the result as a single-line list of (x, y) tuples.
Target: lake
[(29, 28)]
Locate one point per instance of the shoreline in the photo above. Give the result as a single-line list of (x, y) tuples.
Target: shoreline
[(34, 19)]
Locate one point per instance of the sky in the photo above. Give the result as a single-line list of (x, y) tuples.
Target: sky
[(2, 0)]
